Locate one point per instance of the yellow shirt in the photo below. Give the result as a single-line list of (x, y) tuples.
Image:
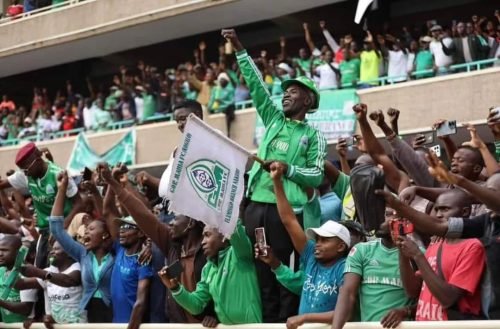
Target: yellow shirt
[(370, 62)]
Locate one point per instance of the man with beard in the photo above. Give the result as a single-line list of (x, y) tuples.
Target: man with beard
[(301, 151), (372, 274)]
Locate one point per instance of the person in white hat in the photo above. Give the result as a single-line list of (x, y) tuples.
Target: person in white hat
[(322, 256)]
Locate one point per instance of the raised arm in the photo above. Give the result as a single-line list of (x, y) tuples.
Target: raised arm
[(392, 174), (341, 149), (68, 280), (329, 38), (261, 97), (288, 218), (145, 219), (490, 162), (309, 40)]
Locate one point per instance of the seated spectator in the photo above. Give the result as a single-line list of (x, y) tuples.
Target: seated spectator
[(62, 286), (14, 9), (19, 303)]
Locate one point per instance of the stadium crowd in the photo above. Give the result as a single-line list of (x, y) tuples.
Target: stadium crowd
[(397, 237), (16, 9), (143, 92)]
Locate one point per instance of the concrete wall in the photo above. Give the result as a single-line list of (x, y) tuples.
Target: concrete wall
[(155, 142), (464, 97)]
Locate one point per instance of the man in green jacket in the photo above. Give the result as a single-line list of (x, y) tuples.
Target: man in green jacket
[(228, 279), (301, 148)]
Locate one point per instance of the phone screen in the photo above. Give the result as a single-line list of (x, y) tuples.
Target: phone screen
[(260, 238)]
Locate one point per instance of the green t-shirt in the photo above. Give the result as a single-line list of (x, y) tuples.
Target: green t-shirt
[(110, 103), (150, 105), (369, 68), (14, 296), (276, 89), (424, 61), (312, 213), (381, 286), (277, 150), (221, 98), (44, 192), (343, 190), (101, 120), (349, 71)]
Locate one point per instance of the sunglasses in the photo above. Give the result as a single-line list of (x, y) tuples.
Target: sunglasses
[(25, 170), (126, 227)]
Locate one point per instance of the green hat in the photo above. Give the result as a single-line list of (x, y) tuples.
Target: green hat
[(306, 83), (128, 220)]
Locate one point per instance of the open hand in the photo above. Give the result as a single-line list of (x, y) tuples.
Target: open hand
[(475, 140), (439, 170), (393, 318), (209, 322)]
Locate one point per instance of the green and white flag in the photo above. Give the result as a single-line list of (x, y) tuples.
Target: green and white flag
[(83, 155), (207, 177)]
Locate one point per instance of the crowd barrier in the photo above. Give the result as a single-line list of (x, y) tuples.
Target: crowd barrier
[(356, 325)]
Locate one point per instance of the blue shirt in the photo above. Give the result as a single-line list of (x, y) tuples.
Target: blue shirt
[(127, 272), (331, 207), (321, 285)]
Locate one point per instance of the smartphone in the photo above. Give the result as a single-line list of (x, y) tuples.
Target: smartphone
[(349, 141), (260, 238), (429, 138), (87, 174), (174, 270), (447, 128), (401, 227), (436, 149)]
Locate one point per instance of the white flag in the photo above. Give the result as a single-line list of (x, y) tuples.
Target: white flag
[(207, 177)]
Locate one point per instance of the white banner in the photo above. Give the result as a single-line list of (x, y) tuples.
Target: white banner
[(207, 177)]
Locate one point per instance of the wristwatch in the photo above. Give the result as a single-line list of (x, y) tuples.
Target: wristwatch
[(48, 276)]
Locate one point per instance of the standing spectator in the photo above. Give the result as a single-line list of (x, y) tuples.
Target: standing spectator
[(19, 304), (370, 62), (466, 47), (301, 150), (241, 93), (111, 102), (397, 62), (204, 87), (69, 120), (7, 104), (283, 72), (62, 286), (94, 256), (149, 102), (451, 269), (334, 46), (442, 60), (101, 118), (424, 60), (328, 73), (88, 114), (349, 69), (139, 102)]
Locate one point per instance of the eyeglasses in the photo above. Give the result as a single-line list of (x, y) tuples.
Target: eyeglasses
[(25, 170), (126, 227)]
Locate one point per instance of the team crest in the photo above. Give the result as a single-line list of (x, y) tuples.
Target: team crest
[(209, 180)]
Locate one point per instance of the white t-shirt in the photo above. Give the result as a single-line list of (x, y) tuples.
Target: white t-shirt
[(29, 296), (63, 302), (440, 58), (19, 181), (139, 107), (327, 77), (398, 62), (88, 117), (410, 62)]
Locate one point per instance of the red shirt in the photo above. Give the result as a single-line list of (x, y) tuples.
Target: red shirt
[(8, 105), (462, 264), (339, 56), (69, 122), (15, 10)]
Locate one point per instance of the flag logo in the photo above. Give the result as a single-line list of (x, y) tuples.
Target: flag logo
[(209, 179)]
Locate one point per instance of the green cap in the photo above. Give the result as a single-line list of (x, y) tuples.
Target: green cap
[(306, 83)]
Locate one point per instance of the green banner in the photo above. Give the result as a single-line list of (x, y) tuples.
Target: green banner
[(334, 118), (83, 155)]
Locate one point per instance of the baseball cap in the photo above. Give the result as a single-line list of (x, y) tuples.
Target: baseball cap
[(426, 39), (436, 28), (330, 229), (307, 83), (285, 67), (128, 220)]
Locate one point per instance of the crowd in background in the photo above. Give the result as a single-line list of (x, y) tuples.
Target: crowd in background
[(16, 7), (142, 92), (416, 240)]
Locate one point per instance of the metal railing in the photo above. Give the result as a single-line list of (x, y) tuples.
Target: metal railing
[(65, 4)]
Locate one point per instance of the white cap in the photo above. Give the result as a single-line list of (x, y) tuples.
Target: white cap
[(285, 67), (223, 76), (330, 229)]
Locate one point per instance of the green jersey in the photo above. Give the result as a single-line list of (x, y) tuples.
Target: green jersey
[(150, 105), (43, 192), (349, 70), (14, 296), (424, 61), (381, 286)]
